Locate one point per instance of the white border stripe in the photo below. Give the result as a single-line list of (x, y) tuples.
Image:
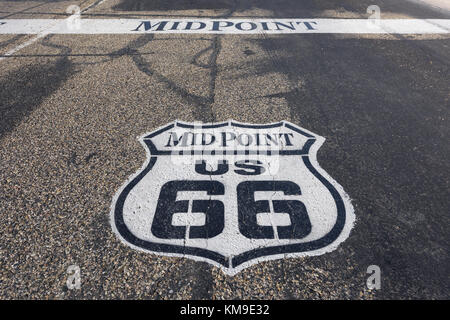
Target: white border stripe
[(225, 26)]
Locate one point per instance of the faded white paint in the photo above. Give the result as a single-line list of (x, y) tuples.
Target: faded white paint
[(227, 26)]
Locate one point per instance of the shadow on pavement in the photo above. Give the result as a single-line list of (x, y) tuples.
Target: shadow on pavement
[(22, 91)]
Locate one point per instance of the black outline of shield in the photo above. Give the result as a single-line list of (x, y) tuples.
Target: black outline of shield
[(215, 257)]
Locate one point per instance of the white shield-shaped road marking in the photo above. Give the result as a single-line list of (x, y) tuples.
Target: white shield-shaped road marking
[(232, 194)]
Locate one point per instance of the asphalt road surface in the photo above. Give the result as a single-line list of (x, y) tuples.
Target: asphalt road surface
[(72, 107)]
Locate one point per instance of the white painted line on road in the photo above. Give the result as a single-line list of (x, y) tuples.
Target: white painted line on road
[(227, 26), (50, 24), (23, 45), (232, 194)]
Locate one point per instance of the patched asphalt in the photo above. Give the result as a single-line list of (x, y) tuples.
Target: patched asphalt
[(73, 106)]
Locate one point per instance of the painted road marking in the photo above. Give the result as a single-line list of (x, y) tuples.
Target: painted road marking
[(226, 26), (52, 23), (232, 194), (23, 45)]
